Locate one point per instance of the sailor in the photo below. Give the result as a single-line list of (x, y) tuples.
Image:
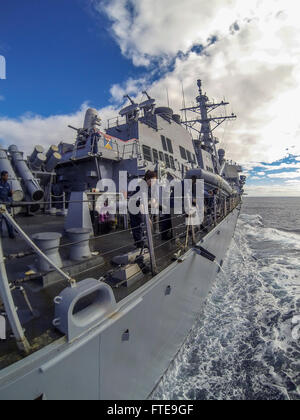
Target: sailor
[(5, 198), (137, 220), (209, 201), (194, 211), (217, 200), (106, 218)]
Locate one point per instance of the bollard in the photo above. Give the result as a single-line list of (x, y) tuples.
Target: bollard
[(81, 249), (48, 242)]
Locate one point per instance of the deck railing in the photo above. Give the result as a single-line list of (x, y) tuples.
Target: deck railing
[(176, 237)]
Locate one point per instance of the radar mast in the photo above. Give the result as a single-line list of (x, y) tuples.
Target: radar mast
[(206, 140)]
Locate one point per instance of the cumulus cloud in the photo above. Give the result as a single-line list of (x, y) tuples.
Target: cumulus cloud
[(277, 190), (293, 181), (130, 87), (249, 166), (289, 165), (145, 29), (286, 175), (254, 62)]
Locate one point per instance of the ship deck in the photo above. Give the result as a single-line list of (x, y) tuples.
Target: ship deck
[(39, 329)]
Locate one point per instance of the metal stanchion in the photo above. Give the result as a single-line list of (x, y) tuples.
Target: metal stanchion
[(10, 220), (10, 308)]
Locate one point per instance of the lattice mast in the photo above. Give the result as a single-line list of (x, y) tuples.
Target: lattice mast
[(206, 140)]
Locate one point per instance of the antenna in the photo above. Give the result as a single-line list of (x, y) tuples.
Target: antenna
[(168, 97), (148, 105), (146, 93), (131, 100), (183, 100)]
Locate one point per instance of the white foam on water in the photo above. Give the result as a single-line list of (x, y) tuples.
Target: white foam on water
[(246, 343)]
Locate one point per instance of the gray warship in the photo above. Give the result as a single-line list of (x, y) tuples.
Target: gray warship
[(84, 314)]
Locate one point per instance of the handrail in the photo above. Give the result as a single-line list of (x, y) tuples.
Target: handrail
[(10, 220), (149, 235), (5, 290), (28, 254), (225, 212), (10, 307)]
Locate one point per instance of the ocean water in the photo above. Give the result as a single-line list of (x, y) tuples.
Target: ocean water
[(246, 343)]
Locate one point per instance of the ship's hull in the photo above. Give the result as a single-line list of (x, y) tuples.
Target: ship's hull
[(125, 356)]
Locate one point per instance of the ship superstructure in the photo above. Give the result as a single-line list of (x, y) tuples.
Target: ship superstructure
[(102, 319)]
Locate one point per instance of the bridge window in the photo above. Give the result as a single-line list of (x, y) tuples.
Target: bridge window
[(147, 153), (164, 143), (167, 161), (172, 163), (170, 147), (183, 153), (189, 156), (155, 155), (161, 157)]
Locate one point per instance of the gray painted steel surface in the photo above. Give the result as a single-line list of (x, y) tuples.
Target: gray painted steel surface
[(36, 151), (5, 165), (39, 160), (124, 356), (52, 149), (80, 250), (120, 350), (32, 185), (52, 161), (212, 179), (78, 212), (48, 242)]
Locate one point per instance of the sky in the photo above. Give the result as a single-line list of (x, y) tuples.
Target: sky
[(63, 56)]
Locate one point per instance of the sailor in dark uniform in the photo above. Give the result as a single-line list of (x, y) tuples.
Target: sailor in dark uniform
[(5, 198), (137, 220)]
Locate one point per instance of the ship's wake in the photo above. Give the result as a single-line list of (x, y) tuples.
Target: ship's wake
[(246, 343)]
